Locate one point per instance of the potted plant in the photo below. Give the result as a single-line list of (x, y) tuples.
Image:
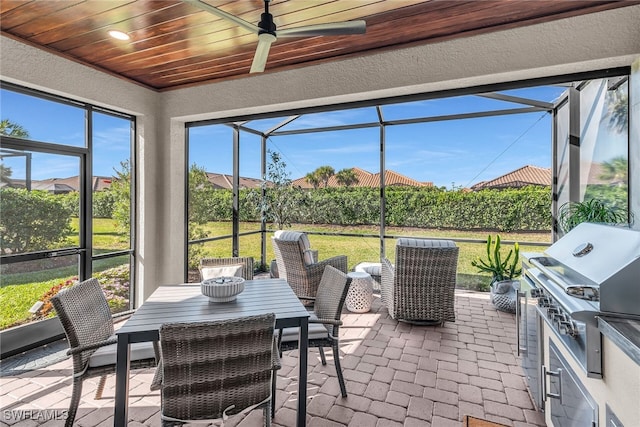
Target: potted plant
[(571, 214), (503, 271)]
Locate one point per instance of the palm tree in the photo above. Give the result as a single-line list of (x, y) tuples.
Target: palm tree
[(324, 173), (346, 177), (8, 128), (312, 179), (618, 114)]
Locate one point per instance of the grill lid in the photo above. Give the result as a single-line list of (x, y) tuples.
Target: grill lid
[(599, 260), (597, 251)]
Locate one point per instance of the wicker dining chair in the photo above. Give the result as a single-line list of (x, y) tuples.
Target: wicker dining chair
[(420, 288), (215, 267), (324, 322), (88, 324), (215, 369), (299, 265)]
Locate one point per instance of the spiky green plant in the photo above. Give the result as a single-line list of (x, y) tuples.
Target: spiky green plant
[(573, 213), (500, 269)]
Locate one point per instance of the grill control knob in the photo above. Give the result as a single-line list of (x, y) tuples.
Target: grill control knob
[(567, 327), (536, 293), (552, 312), (544, 302)]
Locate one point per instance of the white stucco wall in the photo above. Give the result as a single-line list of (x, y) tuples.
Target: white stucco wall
[(596, 41)]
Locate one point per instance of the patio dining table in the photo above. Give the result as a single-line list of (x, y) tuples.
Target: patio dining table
[(185, 303)]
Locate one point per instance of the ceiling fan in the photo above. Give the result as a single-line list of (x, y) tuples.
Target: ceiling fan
[(267, 34)]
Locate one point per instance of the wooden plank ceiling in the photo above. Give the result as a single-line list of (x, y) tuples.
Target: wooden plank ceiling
[(176, 44)]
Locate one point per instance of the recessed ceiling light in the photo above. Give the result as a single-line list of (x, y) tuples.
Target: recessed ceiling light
[(120, 35)]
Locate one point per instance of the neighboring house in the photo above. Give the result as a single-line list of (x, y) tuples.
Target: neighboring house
[(62, 185), (521, 177), (99, 183), (221, 181), (368, 179)]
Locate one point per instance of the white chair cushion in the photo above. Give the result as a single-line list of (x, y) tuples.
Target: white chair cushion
[(309, 257), (316, 331), (300, 237), (373, 268), (425, 243), (107, 355), (221, 271)]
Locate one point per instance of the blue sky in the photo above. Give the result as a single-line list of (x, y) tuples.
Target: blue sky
[(447, 153)]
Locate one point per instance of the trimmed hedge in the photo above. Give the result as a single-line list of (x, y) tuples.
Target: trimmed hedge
[(524, 209), (32, 221)]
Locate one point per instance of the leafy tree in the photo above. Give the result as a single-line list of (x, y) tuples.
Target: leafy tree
[(312, 178), (282, 201), (200, 192), (121, 189), (347, 177), (616, 169), (5, 174), (32, 221), (9, 128), (324, 173)]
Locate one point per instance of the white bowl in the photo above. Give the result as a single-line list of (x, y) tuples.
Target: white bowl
[(222, 289)]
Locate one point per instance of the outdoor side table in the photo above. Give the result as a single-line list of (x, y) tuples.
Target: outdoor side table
[(360, 294)]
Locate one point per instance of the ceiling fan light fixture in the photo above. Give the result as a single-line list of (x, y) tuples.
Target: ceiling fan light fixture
[(119, 35)]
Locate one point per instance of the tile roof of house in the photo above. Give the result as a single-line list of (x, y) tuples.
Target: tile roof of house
[(368, 179), (526, 175), (222, 181), (64, 185)]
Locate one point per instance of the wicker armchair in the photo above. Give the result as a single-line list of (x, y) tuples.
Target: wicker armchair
[(85, 316), (420, 288), (229, 263), (324, 323), (215, 369), (299, 265)]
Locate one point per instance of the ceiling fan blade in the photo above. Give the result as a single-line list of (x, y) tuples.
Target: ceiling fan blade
[(262, 52), (330, 29), (222, 14)]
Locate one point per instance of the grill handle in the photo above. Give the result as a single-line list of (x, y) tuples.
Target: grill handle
[(557, 374), (521, 315)]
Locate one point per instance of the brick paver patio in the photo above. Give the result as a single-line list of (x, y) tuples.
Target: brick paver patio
[(397, 375)]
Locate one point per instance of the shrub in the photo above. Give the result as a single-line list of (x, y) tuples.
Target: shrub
[(521, 209), (32, 220), (103, 204)]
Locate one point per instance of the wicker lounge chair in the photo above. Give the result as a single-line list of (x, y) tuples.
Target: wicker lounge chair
[(215, 369), (85, 316), (208, 267), (420, 288), (299, 265), (324, 323)]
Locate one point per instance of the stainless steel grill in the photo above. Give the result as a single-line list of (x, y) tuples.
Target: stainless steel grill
[(599, 264), (594, 269)]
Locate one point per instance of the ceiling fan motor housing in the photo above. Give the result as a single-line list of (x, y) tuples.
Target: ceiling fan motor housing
[(266, 24)]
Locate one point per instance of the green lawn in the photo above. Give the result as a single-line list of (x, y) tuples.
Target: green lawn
[(19, 291), (359, 249)]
